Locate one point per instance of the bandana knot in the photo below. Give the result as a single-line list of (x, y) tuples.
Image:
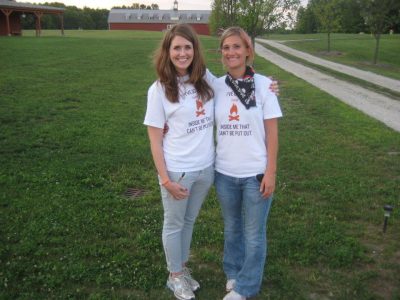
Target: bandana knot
[(244, 89)]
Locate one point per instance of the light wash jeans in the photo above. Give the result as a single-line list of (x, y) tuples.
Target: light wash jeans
[(180, 215), (245, 214)]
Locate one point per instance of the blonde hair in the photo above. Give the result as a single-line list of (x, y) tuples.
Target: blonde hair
[(166, 71), (238, 31)]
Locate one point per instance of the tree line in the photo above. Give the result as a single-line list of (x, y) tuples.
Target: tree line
[(139, 6), (255, 16), (345, 16), (78, 18), (348, 16)]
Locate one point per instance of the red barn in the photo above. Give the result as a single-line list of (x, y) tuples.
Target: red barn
[(158, 20)]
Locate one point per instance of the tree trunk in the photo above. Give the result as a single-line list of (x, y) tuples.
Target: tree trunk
[(329, 42), (377, 38)]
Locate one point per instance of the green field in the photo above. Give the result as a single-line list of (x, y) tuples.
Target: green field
[(72, 142), (356, 50)]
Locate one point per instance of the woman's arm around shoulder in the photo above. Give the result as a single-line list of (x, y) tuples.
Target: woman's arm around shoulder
[(210, 77)]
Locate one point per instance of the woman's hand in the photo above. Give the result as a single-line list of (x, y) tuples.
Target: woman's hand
[(176, 190), (166, 128), (267, 186), (274, 86)]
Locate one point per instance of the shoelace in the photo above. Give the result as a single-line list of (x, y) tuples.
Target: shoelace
[(185, 284)]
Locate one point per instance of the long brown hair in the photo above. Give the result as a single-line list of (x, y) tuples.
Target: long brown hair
[(167, 73)]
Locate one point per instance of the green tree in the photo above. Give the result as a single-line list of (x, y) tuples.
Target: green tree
[(306, 20), (74, 18), (137, 5), (259, 16), (100, 18), (328, 14), (224, 14), (394, 15), (348, 13), (254, 16), (350, 19), (50, 21), (28, 21), (377, 15)]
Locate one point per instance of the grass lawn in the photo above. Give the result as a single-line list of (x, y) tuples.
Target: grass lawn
[(72, 142), (356, 50)]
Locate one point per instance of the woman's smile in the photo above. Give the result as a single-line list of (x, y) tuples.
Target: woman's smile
[(181, 54)]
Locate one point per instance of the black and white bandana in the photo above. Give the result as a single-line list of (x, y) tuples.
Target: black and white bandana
[(244, 89)]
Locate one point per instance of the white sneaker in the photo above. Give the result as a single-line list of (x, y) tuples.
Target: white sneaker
[(180, 287), (230, 284), (188, 276), (234, 296)]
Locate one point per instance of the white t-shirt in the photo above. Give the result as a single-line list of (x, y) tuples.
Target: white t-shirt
[(189, 144), (241, 146)]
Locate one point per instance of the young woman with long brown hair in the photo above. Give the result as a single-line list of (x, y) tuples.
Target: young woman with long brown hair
[(182, 99)]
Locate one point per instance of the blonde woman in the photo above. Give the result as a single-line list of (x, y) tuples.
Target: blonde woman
[(246, 160)]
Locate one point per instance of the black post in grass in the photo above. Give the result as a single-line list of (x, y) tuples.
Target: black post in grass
[(388, 209)]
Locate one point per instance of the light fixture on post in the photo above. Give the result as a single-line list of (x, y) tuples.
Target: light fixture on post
[(388, 210)]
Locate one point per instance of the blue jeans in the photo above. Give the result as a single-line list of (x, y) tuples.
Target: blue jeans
[(245, 214), (180, 215)]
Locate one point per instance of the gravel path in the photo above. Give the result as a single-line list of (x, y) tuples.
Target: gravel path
[(373, 104), (380, 80)]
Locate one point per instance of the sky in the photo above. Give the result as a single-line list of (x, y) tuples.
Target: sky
[(108, 4)]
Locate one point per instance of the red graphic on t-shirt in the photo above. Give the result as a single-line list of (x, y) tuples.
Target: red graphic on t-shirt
[(234, 113), (200, 110)]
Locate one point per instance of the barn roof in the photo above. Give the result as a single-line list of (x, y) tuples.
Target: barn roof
[(118, 15), (28, 6)]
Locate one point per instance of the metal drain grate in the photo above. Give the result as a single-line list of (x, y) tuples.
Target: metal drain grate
[(134, 193)]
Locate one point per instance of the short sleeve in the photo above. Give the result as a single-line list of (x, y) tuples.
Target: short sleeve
[(155, 113)]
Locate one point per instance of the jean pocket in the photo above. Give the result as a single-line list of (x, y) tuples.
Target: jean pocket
[(259, 177)]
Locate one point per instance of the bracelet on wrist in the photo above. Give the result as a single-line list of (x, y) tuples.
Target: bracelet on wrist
[(165, 182)]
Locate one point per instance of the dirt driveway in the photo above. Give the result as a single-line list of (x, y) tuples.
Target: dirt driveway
[(371, 103), (389, 83)]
